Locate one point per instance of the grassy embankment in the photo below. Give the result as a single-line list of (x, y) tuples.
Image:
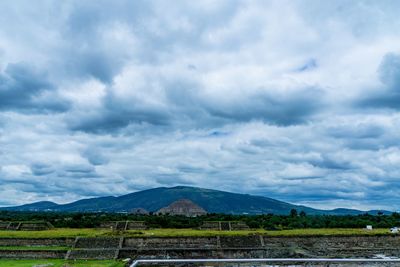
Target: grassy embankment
[(64, 232), (60, 263)]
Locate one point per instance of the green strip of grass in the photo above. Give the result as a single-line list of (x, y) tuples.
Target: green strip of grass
[(65, 232), (55, 233), (60, 263)]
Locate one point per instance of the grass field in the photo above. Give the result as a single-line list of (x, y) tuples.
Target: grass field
[(60, 263), (64, 232)]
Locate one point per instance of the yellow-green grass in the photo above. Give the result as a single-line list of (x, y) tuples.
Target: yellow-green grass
[(55, 233), (60, 263), (67, 232)]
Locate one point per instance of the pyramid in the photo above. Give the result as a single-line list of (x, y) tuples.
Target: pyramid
[(183, 207)]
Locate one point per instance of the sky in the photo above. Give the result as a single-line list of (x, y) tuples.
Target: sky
[(294, 100)]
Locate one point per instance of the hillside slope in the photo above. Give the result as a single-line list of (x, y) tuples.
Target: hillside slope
[(213, 201)]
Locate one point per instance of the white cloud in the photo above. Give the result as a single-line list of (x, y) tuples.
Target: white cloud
[(255, 97)]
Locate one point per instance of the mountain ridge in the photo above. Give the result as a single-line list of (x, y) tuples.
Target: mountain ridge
[(213, 201)]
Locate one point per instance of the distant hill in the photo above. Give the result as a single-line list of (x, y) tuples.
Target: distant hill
[(213, 201), (37, 206)]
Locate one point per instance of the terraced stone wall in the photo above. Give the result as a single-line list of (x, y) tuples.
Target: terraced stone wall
[(238, 226), (25, 226), (32, 254), (97, 242), (211, 247), (45, 242), (4, 225), (35, 226), (261, 246), (170, 242), (124, 225), (97, 254), (136, 225), (224, 226)]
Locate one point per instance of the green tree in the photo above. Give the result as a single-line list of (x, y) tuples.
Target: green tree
[(293, 213)]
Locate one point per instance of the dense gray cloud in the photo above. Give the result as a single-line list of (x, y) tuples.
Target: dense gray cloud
[(388, 95), (23, 88), (293, 100)]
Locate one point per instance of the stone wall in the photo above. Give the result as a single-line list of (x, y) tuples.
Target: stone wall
[(108, 225), (124, 225), (224, 226), (210, 226), (32, 254), (4, 225), (136, 225), (45, 242), (121, 226), (262, 246), (35, 226), (170, 242), (254, 246), (26, 226), (253, 241), (238, 226), (87, 254), (97, 242)]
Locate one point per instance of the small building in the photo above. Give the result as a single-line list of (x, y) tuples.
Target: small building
[(368, 227)]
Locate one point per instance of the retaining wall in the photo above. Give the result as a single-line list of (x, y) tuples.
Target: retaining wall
[(171, 242), (26, 242), (87, 254), (136, 225), (263, 246), (25, 226), (97, 242), (253, 246), (124, 225), (32, 254), (253, 241)]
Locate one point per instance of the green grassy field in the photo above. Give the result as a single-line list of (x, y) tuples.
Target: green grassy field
[(60, 263), (64, 232)]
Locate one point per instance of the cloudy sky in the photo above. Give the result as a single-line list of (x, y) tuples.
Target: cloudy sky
[(295, 100)]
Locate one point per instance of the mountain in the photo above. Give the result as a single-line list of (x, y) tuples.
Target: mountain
[(213, 201), (36, 206)]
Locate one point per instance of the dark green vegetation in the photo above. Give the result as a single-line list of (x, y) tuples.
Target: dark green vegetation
[(293, 220), (212, 201)]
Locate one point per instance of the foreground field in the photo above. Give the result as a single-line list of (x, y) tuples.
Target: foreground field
[(59, 263), (67, 232)]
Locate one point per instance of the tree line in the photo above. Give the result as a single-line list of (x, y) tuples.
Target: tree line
[(294, 220)]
